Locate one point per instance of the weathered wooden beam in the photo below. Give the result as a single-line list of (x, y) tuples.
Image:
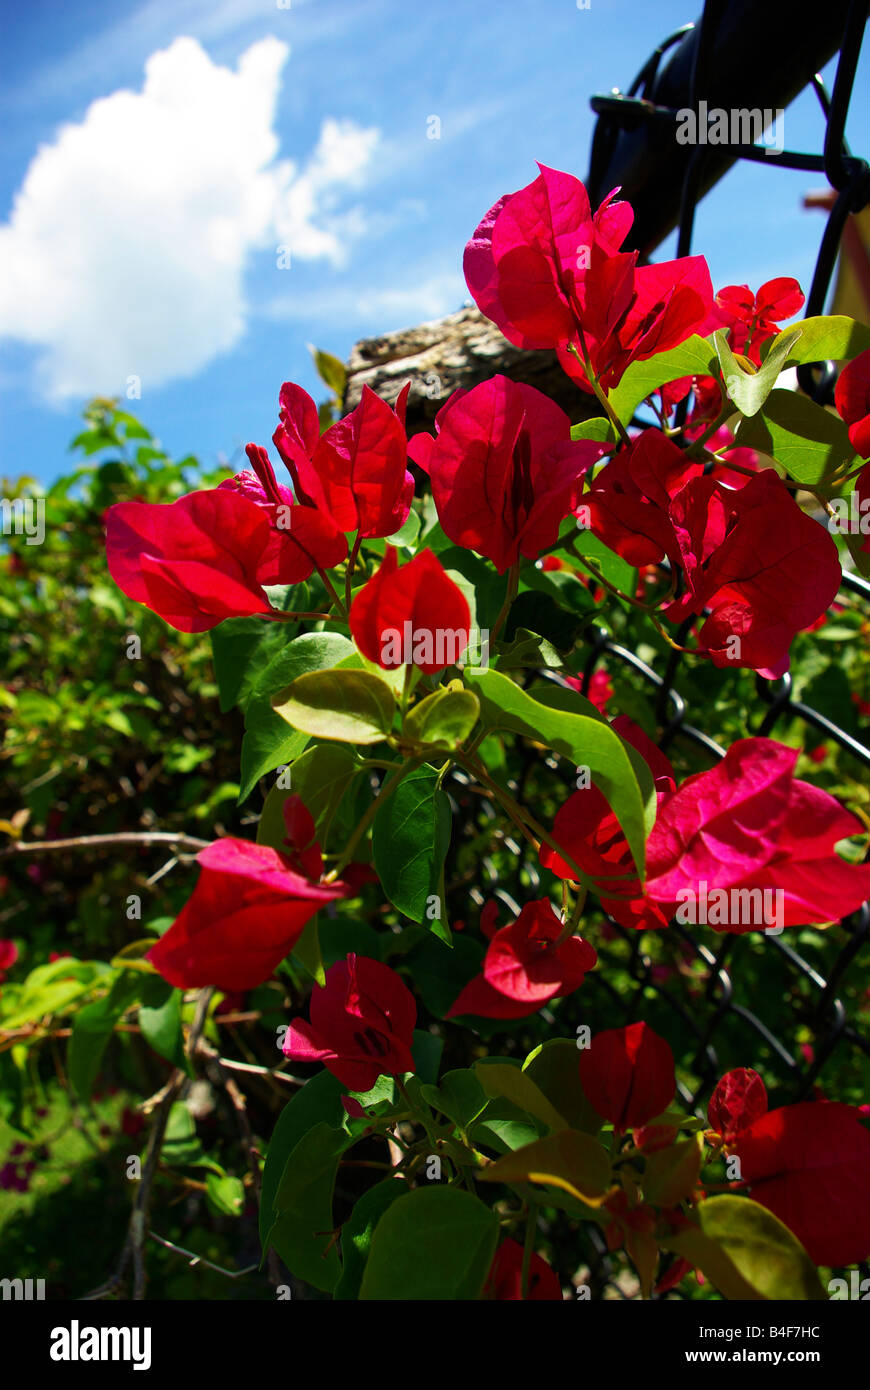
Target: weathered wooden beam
[(459, 350)]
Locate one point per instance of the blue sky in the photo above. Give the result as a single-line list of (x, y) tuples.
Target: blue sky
[(142, 210)]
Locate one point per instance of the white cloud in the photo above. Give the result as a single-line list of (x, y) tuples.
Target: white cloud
[(308, 217), (128, 240)]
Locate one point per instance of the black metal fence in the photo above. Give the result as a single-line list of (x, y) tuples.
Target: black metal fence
[(718, 1006)]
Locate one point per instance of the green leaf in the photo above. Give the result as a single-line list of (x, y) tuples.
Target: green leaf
[(554, 1068), (540, 613), (349, 706), (826, 337), (598, 428), (242, 649), (810, 442), (583, 740), (459, 1096), (426, 1049), (410, 839), (407, 534), (313, 651), (47, 990), (181, 1147), (357, 1233), (527, 649), (307, 952), (321, 776), (330, 370), (695, 357), (483, 588), (225, 1195), (160, 1019), (440, 973), (746, 1252), (433, 1243), (445, 717), (502, 1079), (318, 1101), (574, 1162), (671, 1174), (92, 1028), (268, 742), (303, 1207), (749, 390)]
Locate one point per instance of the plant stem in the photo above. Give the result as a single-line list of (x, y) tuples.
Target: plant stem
[(596, 387), (348, 574), (512, 587), (384, 793)]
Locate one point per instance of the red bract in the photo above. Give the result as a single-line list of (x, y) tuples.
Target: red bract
[(505, 1278), (627, 313), (852, 399), (588, 830), (356, 472), (195, 562), (808, 1164), (362, 1024), (301, 538), (747, 551), (505, 472), (8, 955), (765, 568), (415, 615), (746, 825), (739, 1099), (627, 1075), (523, 967), (247, 912), (754, 318), (546, 271), (302, 851), (629, 499)]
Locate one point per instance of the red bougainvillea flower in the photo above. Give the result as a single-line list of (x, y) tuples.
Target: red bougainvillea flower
[(627, 1075), (632, 1224), (356, 472), (739, 1099), (413, 615), (600, 688), (524, 967), (765, 568), (589, 831), (852, 399), (247, 912), (505, 1278), (543, 268), (808, 1164), (196, 561), (747, 551), (362, 1024), (301, 538), (8, 957), (747, 824), (627, 313), (504, 469), (753, 319), (862, 492), (630, 497), (302, 850)]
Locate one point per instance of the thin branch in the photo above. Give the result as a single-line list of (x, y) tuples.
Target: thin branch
[(194, 1260), (121, 837)]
